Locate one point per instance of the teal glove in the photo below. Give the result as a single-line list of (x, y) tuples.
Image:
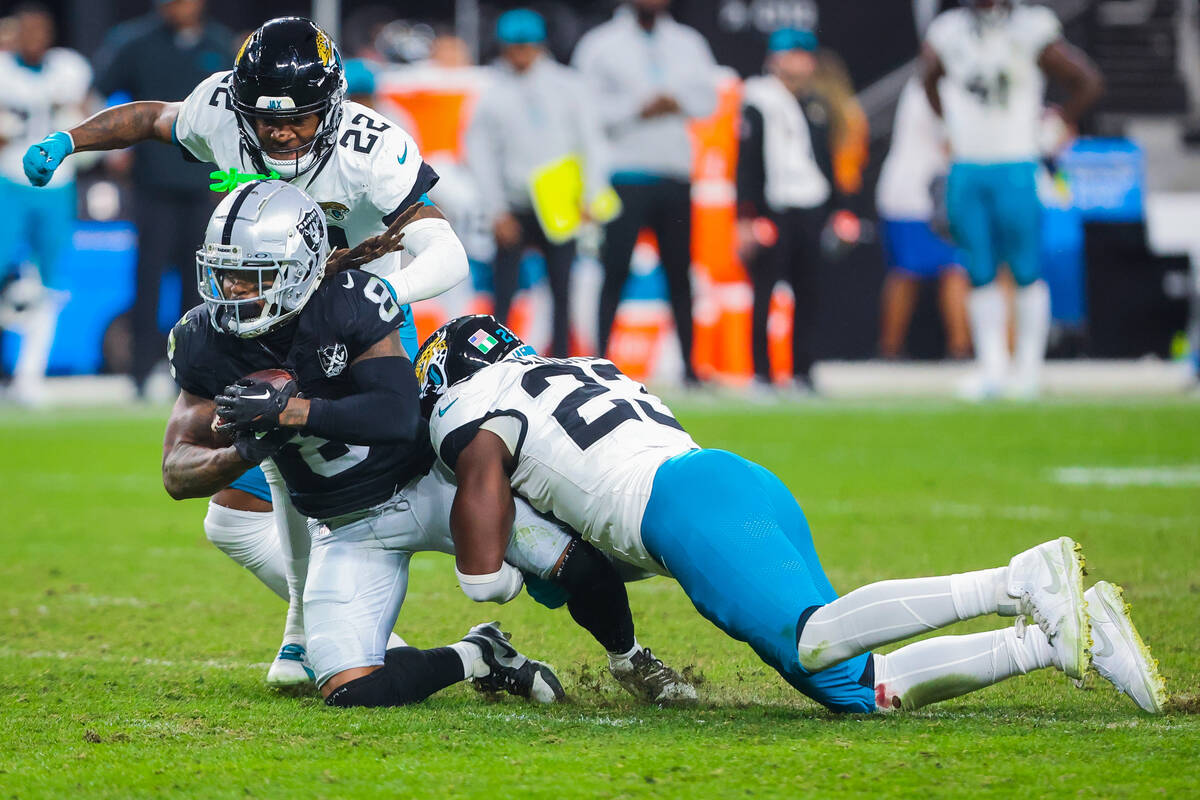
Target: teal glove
[(44, 157)]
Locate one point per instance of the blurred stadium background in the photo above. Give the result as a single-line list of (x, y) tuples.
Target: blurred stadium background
[(1120, 241)]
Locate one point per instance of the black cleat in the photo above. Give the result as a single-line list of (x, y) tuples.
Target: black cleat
[(509, 670)]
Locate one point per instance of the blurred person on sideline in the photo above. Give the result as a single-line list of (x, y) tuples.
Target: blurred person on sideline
[(786, 189), (163, 54), (984, 69), (532, 140), (649, 76), (41, 87), (905, 199)]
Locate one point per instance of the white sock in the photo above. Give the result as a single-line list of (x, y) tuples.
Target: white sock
[(1033, 331), (472, 660), (949, 666), (295, 544), (989, 323), (249, 538), (622, 659), (37, 335), (890, 611)]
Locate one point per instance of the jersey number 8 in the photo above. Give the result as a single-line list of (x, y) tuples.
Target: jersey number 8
[(378, 292)]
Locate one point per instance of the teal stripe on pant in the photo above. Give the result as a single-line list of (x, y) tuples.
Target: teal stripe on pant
[(738, 543)]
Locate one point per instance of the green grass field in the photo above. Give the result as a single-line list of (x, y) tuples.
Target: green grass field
[(132, 652)]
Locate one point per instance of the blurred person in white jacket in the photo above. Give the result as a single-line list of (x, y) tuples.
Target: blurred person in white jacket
[(535, 114), (650, 76)]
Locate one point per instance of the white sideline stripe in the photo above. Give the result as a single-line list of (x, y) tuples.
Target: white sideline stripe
[(1083, 379), (1181, 475), (1019, 513), (127, 661)]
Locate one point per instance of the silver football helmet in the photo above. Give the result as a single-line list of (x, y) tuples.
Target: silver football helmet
[(263, 257)]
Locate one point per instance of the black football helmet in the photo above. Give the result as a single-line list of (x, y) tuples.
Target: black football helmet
[(288, 68), (458, 350)]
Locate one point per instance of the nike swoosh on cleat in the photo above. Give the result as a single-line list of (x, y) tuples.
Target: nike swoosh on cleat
[(1106, 648), (1055, 585)]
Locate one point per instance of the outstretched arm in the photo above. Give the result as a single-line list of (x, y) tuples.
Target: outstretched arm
[(111, 129), (125, 125)]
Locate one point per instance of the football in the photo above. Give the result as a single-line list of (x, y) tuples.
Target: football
[(276, 377)]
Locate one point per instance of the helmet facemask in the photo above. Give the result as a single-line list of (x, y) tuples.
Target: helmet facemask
[(309, 153), (276, 259)]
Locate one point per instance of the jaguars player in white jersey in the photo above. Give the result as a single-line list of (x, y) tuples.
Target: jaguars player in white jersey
[(577, 438), (983, 71), (281, 111), (41, 87)]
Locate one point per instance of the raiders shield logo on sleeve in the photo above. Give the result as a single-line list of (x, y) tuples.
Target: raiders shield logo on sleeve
[(332, 358)]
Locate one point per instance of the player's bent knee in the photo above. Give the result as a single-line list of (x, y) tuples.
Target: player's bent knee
[(369, 691)]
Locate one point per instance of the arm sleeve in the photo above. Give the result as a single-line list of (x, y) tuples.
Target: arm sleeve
[(384, 410), (439, 262), (751, 176), (484, 153), (697, 92)]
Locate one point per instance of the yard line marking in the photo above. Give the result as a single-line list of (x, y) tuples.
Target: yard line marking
[(1166, 476), (127, 661), (1025, 513)]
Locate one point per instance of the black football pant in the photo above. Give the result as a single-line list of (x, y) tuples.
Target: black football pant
[(664, 206), (796, 259), (170, 227), (506, 273)]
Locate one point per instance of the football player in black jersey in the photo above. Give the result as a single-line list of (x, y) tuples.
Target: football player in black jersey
[(353, 449), (353, 452), (282, 111)]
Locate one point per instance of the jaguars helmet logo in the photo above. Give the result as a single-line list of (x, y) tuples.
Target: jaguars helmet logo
[(242, 49), (431, 367), (334, 212), (324, 48)]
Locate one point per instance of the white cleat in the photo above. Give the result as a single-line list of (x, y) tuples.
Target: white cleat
[(1119, 654), (1047, 580), (648, 678), (290, 669)]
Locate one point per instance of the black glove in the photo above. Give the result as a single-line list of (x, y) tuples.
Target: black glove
[(252, 405), (255, 448)]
